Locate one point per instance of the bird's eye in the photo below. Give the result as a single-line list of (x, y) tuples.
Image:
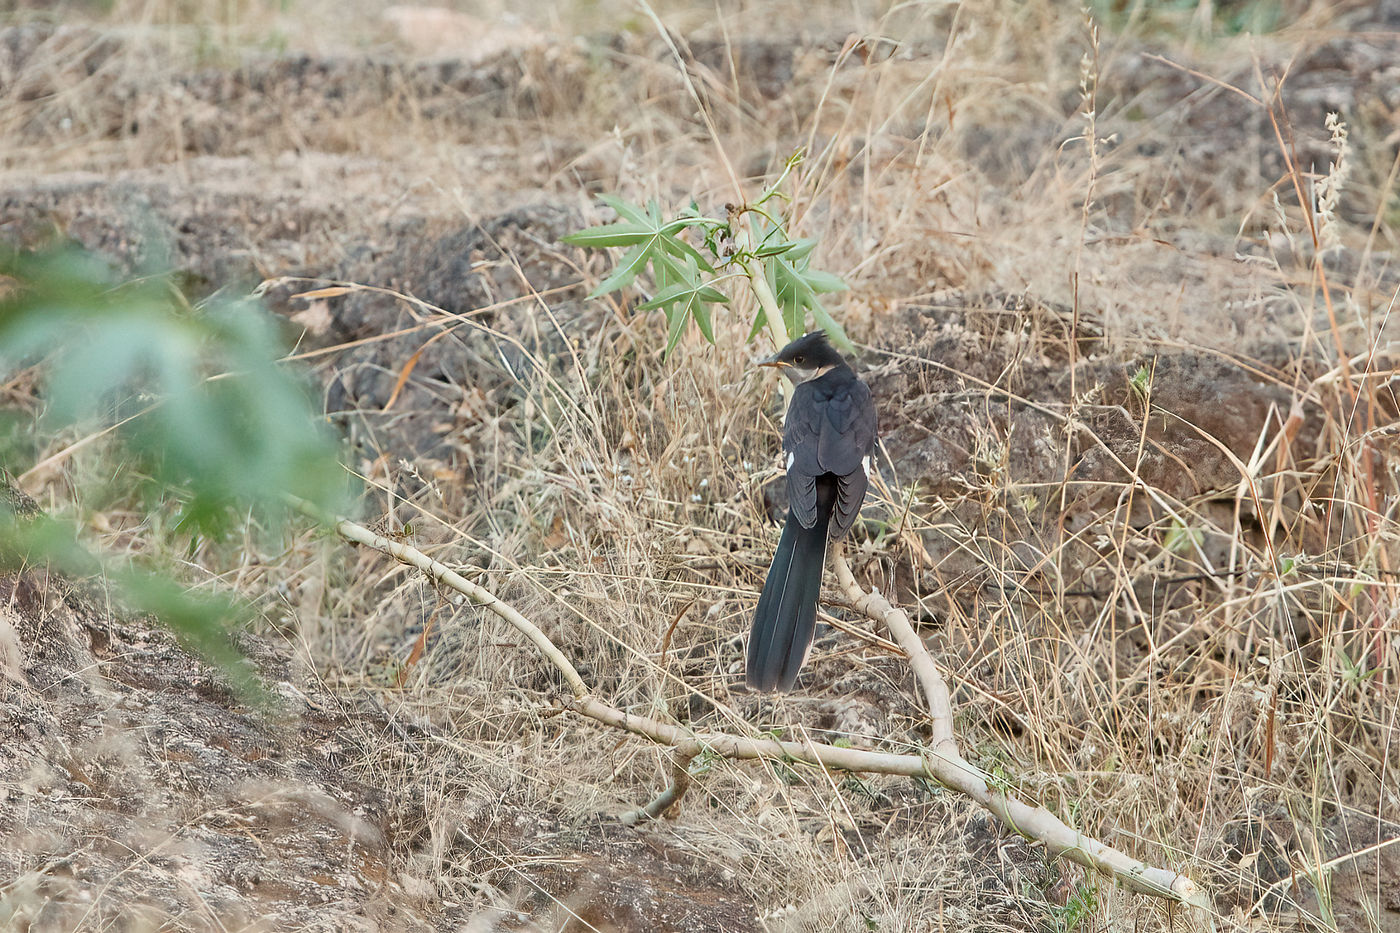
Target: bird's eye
[(798, 360)]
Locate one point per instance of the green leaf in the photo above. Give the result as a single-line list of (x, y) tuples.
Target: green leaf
[(1182, 538), (678, 268), (40, 539), (666, 274), (683, 293), (793, 283), (679, 248), (822, 282), (700, 310), (796, 287), (201, 621), (673, 270), (652, 241), (675, 319), (104, 359), (801, 249), (633, 262), (760, 321), (793, 295), (626, 210), (687, 300), (205, 417), (620, 234), (834, 330), (769, 250)]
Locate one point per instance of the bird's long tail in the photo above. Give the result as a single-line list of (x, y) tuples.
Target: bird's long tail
[(786, 616)]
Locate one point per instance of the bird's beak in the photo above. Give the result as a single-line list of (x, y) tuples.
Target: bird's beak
[(774, 363)]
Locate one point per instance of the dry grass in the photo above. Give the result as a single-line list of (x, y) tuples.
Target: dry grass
[(1200, 671)]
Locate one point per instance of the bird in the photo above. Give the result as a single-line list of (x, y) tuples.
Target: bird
[(827, 437)]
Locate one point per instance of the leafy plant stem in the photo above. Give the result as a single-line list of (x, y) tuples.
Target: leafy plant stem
[(763, 293)]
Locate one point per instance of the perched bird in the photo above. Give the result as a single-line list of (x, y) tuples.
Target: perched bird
[(828, 435)]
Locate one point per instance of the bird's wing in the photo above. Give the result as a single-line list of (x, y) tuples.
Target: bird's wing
[(850, 493), (829, 429), (847, 432), (847, 438), (802, 498), (801, 442)]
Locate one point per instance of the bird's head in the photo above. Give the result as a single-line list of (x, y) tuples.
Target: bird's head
[(806, 357)]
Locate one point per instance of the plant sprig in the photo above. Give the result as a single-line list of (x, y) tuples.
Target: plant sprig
[(750, 243)]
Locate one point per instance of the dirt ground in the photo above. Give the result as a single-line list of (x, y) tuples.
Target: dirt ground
[(1137, 406)]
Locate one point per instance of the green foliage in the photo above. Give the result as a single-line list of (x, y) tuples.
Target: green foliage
[(681, 292), (1141, 383), (999, 779), (928, 788), (1156, 18), (203, 414), (1081, 905), (796, 285), (1181, 538), (205, 408), (1354, 674), (686, 280)]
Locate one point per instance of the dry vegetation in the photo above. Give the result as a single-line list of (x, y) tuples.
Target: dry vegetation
[(1137, 405)]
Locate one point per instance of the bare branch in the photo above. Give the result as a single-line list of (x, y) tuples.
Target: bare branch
[(935, 688), (681, 758), (448, 577), (949, 770), (940, 763)]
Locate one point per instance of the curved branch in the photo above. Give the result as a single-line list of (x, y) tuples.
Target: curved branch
[(949, 770), (940, 703), (681, 758), (938, 763), (451, 578)]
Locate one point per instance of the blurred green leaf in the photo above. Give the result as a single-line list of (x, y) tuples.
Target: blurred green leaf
[(1141, 382), (676, 319), (760, 321), (801, 249), (789, 290), (823, 282), (200, 621), (700, 311), (769, 250), (833, 328), (1182, 538), (796, 287), (203, 413)]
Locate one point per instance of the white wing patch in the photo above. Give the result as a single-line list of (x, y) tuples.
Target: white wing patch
[(792, 457), (864, 465)]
